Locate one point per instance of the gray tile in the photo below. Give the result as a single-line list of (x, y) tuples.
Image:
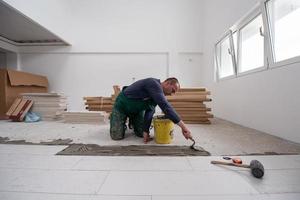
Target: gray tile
[(278, 181), (52, 181), (276, 161), (175, 183), (29, 161), (269, 162), (133, 163), (283, 196), (286, 196), (47, 196), (30, 149)]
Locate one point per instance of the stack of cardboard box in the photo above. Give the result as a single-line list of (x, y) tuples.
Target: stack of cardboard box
[(12, 83), (50, 106)]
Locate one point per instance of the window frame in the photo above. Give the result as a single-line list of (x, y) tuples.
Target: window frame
[(255, 12), (272, 63), (217, 64)]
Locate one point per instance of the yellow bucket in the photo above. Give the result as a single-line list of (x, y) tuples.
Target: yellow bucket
[(163, 131)]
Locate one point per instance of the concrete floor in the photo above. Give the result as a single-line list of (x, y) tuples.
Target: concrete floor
[(219, 138), (35, 172)]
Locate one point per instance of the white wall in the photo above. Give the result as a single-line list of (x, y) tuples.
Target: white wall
[(79, 75), (120, 25), (267, 101), (113, 41), (13, 61), (2, 60)]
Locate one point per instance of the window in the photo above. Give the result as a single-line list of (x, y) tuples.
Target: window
[(251, 53), (268, 36), (225, 64), (284, 17)]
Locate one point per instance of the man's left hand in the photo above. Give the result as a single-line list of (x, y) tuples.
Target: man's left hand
[(147, 137)]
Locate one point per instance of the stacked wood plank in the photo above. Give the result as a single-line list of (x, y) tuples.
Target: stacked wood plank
[(19, 109), (102, 103), (98, 103), (50, 106), (189, 104), (85, 117)]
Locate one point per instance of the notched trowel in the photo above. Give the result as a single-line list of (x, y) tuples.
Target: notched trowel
[(193, 146)]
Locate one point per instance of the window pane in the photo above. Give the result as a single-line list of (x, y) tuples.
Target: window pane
[(252, 46), (284, 17), (224, 58)]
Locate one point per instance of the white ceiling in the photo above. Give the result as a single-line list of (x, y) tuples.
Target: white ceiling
[(18, 29)]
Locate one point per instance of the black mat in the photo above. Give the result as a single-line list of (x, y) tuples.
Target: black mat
[(132, 150)]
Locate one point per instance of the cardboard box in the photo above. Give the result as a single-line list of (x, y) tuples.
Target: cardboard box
[(12, 83)]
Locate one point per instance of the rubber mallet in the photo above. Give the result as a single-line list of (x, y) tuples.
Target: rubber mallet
[(257, 169)]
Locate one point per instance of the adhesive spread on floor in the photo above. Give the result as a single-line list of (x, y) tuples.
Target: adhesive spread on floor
[(58, 142), (6, 140), (131, 150)]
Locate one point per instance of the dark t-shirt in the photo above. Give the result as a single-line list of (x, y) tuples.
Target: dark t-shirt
[(150, 88)]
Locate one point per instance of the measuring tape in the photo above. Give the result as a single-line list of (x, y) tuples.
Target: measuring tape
[(234, 160)]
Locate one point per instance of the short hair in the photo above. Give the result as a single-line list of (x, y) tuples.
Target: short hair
[(173, 80)]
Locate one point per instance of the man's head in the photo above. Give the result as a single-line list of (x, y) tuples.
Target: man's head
[(170, 86)]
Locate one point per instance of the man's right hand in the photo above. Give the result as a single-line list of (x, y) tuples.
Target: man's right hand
[(185, 131), (187, 134)]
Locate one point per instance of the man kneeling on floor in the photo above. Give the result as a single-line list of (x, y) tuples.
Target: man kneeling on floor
[(138, 102)]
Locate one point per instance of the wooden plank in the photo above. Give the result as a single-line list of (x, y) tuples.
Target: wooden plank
[(188, 105), (184, 97), (98, 103), (99, 109), (200, 115), (187, 99), (192, 89), (100, 106), (194, 118), (117, 89), (13, 106), (96, 98), (192, 93), (197, 122), (192, 109)]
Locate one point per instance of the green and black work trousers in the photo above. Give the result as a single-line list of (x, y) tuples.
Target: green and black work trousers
[(133, 109)]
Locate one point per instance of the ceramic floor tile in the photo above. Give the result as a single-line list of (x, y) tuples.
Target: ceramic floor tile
[(30, 149), (46, 196), (175, 183), (52, 181), (276, 161), (287, 196), (133, 163), (5, 179), (269, 162), (28, 161), (278, 181), (203, 163)]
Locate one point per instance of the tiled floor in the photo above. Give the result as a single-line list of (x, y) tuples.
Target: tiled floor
[(35, 172)]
